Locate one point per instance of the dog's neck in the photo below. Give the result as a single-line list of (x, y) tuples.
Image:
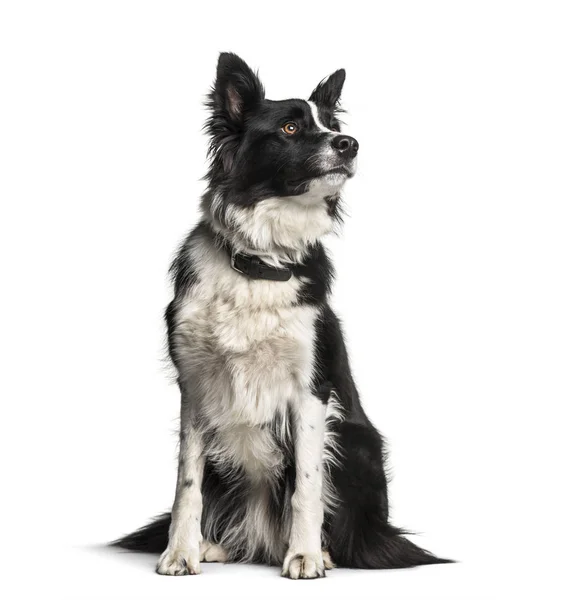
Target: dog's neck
[(280, 230)]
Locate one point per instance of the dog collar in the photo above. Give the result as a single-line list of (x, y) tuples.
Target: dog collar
[(252, 266)]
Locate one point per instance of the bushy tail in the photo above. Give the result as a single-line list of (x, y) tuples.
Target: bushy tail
[(152, 538), (381, 548)]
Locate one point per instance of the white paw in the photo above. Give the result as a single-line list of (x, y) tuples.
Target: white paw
[(179, 562), (328, 562), (212, 552), (303, 565)]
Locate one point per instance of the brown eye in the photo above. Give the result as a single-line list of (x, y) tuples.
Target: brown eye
[(290, 128)]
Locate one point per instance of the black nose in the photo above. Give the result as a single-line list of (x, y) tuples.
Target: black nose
[(346, 145)]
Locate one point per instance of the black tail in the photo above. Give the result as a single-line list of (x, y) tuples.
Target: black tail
[(385, 549), (152, 538)]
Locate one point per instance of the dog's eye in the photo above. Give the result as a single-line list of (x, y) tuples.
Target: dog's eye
[(290, 128)]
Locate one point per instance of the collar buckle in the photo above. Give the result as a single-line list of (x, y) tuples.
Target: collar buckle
[(233, 265)]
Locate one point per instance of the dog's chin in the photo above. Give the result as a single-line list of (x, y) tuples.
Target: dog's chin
[(337, 176), (334, 178), (322, 185), (319, 189)]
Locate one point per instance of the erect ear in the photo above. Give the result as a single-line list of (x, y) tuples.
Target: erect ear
[(328, 91), (236, 90)]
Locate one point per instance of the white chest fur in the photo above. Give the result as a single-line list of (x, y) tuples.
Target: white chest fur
[(246, 347)]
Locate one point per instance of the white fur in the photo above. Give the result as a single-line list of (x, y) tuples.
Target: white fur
[(183, 552), (281, 229), (212, 552), (304, 555)]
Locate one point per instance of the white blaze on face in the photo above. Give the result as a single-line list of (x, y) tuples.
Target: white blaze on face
[(315, 116), (327, 154)]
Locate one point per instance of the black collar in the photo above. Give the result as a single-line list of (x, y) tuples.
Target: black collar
[(255, 268)]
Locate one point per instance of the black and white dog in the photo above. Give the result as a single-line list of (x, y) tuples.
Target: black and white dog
[(278, 462)]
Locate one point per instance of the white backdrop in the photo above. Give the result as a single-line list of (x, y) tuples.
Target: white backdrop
[(454, 257)]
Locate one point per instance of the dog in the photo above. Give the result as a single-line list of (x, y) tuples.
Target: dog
[(278, 462)]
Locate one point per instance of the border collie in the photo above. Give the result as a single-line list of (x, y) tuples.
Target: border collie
[(278, 462)]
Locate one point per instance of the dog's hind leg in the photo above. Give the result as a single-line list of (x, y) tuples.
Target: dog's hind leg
[(182, 556), (304, 558)]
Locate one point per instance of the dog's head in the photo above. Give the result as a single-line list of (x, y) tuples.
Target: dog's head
[(274, 158)]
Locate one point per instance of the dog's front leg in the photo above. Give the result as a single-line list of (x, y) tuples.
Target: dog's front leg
[(182, 556), (304, 557)]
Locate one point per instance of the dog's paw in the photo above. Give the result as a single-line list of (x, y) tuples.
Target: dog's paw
[(212, 552), (177, 562), (328, 562), (303, 566)]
